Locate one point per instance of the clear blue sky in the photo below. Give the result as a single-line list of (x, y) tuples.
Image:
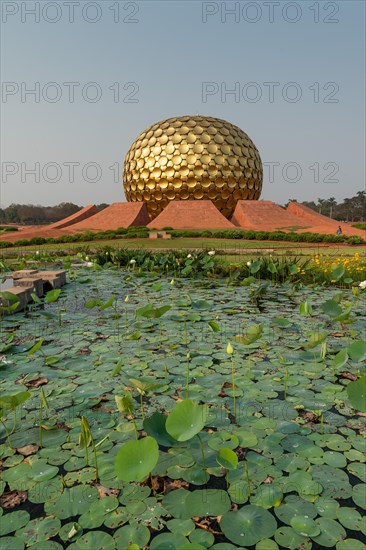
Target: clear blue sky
[(163, 60)]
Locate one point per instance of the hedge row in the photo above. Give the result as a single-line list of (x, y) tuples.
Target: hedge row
[(143, 232), (305, 237)]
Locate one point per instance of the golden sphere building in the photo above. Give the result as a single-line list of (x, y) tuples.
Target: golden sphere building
[(192, 158)]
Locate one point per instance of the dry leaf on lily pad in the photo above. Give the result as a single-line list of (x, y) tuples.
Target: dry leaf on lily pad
[(27, 450), (12, 499), (36, 383)]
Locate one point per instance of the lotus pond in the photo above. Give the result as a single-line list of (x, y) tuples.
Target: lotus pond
[(143, 412)]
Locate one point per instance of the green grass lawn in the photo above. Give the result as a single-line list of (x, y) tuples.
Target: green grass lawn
[(232, 249)]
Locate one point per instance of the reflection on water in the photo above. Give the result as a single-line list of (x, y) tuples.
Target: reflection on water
[(5, 284)]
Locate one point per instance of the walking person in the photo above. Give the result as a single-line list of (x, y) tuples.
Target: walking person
[(339, 230)]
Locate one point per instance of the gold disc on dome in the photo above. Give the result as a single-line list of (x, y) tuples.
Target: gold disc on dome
[(191, 159), (198, 193), (163, 182), (162, 160), (156, 173), (198, 148), (169, 172), (212, 170), (163, 139), (184, 171), (198, 171), (205, 138), (176, 138), (191, 138), (205, 159), (177, 183), (184, 148), (177, 159), (169, 149), (212, 148), (184, 194), (170, 194)]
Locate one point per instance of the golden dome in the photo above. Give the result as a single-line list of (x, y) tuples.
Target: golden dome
[(192, 158)]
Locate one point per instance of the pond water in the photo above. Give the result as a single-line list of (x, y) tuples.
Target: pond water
[(5, 284), (277, 399)]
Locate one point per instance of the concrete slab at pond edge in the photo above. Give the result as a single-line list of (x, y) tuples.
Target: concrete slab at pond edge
[(29, 281)]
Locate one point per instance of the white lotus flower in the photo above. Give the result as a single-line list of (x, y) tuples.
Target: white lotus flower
[(362, 285), (249, 263), (89, 264), (189, 256), (132, 261), (37, 252), (211, 253), (86, 258)]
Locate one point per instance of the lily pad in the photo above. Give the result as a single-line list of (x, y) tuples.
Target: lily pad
[(248, 525), (186, 420), (136, 459), (12, 521), (207, 502), (331, 532)]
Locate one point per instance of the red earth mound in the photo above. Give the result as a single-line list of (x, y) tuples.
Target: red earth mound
[(118, 214), (191, 215), (82, 214)]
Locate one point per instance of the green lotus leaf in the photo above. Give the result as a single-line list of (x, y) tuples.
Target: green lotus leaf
[(358, 469), (207, 502), (246, 439), (266, 544), (155, 425), (45, 490), (350, 544), (169, 541), (267, 496), (175, 503), (73, 502), (183, 527), (38, 530), (186, 420), (227, 458), (136, 459), (132, 534), (357, 394), (287, 537), (357, 351), (359, 495), (12, 521), (11, 543), (202, 537), (248, 525), (350, 518), (94, 539), (292, 507), (305, 526), (331, 532)]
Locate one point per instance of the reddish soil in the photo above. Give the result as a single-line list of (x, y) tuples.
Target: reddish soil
[(118, 214), (79, 216), (196, 214)]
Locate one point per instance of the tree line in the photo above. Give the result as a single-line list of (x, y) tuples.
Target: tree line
[(29, 214), (349, 210)]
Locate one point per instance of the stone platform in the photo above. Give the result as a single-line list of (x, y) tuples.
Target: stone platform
[(29, 281)]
